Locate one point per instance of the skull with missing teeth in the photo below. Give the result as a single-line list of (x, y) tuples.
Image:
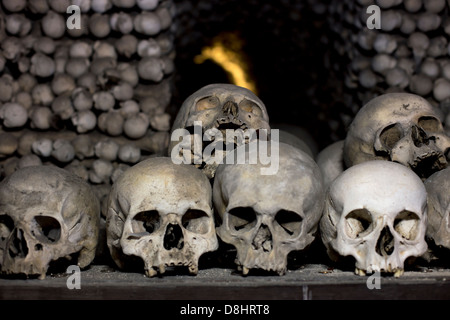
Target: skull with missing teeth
[(266, 216), (46, 214), (161, 213), (399, 127), (226, 115), (376, 212), (438, 188)]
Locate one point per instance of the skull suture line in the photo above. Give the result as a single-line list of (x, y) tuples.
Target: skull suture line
[(399, 127), (376, 212), (219, 107), (438, 188), (162, 213), (46, 213), (267, 216)]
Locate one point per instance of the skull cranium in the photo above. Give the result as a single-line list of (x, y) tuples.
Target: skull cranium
[(46, 213), (267, 216), (400, 127), (376, 212), (219, 107), (161, 212)]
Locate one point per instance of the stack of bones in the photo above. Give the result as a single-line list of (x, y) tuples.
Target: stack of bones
[(85, 84)]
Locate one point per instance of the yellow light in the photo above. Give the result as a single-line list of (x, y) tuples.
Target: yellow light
[(226, 51)]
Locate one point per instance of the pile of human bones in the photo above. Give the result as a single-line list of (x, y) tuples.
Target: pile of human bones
[(90, 98), (406, 52), (167, 214)]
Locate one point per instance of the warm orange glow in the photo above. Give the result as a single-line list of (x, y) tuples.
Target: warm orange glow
[(226, 51)]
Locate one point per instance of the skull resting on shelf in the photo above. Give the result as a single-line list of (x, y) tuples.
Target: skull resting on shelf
[(266, 216), (46, 214), (376, 211), (160, 212)]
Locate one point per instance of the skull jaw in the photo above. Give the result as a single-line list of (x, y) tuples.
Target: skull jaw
[(424, 157), (423, 161), (156, 259), (367, 260), (270, 261), (29, 266)]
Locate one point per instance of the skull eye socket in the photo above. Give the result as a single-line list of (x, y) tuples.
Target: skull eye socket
[(46, 229), (390, 136), (241, 219), (358, 223), (250, 106), (207, 103), (6, 226), (195, 221), (146, 222), (289, 221), (429, 124), (407, 223)]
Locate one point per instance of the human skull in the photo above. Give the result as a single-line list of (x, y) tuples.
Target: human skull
[(331, 161), (160, 212), (217, 108), (438, 188), (46, 213), (376, 212), (266, 216), (400, 127)]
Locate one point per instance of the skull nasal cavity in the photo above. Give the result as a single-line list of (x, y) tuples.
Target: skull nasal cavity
[(419, 136), (230, 107), (263, 239), (385, 243), (18, 246), (173, 237)]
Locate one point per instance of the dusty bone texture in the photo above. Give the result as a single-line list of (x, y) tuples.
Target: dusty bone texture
[(376, 212), (47, 213), (162, 213), (267, 216), (220, 106), (331, 161), (400, 127), (438, 188)]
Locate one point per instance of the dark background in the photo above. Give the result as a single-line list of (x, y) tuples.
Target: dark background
[(289, 50)]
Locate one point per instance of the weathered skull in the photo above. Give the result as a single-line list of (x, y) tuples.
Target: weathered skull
[(162, 213), (438, 188), (331, 162), (376, 212), (46, 213), (217, 108), (267, 216), (400, 127)]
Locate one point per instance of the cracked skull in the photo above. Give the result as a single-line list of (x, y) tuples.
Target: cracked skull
[(265, 217), (438, 188), (399, 127), (376, 212), (46, 213), (225, 114), (161, 212)]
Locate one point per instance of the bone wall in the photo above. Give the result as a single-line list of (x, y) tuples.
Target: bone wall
[(409, 53), (92, 99)]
